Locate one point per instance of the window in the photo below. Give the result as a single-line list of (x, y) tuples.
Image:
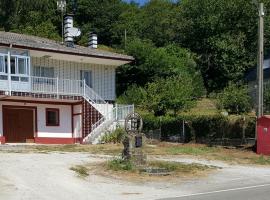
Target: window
[(22, 66), (87, 76), (2, 64), (44, 71), (52, 117)]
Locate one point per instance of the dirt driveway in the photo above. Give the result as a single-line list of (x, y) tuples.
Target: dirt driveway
[(32, 176)]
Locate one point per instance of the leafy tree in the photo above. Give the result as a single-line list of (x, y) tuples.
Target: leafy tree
[(235, 99), (223, 34), (99, 16), (173, 93), (7, 8), (152, 63), (133, 95)]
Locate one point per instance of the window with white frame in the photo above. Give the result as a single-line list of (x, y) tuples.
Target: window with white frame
[(19, 65), (3, 67), (3, 63)]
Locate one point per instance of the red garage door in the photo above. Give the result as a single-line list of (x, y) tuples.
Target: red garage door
[(18, 124)]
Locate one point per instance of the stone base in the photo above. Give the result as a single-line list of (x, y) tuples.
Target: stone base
[(138, 157)]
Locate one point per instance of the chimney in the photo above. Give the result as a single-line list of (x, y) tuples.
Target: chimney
[(93, 41), (68, 24)]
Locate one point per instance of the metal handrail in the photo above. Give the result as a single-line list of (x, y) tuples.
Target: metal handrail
[(55, 86), (119, 112)]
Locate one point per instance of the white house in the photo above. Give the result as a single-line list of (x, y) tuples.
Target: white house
[(54, 94)]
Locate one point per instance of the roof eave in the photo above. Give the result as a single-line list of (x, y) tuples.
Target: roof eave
[(66, 52)]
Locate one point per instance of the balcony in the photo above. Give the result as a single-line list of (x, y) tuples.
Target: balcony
[(54, 87)]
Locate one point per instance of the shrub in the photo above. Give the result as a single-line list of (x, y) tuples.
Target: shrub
[(133, 95), (200, 127), (120, 164), (235, 99), (115, 136)]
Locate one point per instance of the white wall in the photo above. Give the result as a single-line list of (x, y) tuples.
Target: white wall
[(77, 121), (103, 75), (61, 131)]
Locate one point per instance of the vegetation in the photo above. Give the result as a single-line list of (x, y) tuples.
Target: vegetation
[(81, 170), (114, 137), (120, 165), (235, 99), (177, 167)]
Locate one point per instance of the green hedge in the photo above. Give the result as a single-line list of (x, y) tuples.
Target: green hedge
[(201, 127)]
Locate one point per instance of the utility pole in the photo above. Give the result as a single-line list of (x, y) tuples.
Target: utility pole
[(260, 61)]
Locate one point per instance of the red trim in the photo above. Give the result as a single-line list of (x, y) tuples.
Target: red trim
[(47, 140), (23, 107), (41, 102), (58, 116), (78, 140), (2, 140)]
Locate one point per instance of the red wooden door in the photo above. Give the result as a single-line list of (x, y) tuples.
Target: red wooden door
[(18, 124)]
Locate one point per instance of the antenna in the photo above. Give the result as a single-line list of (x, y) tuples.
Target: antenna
[(61, 5)]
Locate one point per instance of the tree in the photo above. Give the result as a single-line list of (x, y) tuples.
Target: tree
[(152, 63), (235, 99), (173, 93), (223, 33), (99, 16)]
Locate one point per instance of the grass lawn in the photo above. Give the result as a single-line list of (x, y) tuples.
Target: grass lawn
[(126, 170)]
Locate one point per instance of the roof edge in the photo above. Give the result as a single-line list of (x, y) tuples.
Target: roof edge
[(66, 52)]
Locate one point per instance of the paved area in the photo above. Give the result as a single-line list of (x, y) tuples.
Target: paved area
[(261, 192), (46, 176)]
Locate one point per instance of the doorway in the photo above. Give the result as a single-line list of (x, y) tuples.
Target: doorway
[(87, 76), (18, 123)]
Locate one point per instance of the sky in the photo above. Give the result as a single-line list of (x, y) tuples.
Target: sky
[(141, 2)]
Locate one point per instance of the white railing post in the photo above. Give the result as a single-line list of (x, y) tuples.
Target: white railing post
[(84, 87), (116, 111), (9, 72), (57, 87)]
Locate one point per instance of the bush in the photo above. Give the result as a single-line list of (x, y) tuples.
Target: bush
[(120, 164), (133, 95), (235, 99), (200, 127), (113, 137)]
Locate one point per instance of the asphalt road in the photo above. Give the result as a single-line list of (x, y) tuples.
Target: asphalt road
[(255, 192)]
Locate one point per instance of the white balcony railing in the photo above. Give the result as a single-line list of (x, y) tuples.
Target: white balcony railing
[(52, 86)]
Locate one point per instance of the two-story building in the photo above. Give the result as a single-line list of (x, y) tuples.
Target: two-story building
[(51, 93)]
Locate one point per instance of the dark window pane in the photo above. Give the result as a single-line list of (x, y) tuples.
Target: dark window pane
[(3, 77), (15, 78), (52, 117), (24, 79), (12, 65)]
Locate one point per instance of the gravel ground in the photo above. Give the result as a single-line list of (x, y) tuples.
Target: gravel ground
[(32, 176)]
